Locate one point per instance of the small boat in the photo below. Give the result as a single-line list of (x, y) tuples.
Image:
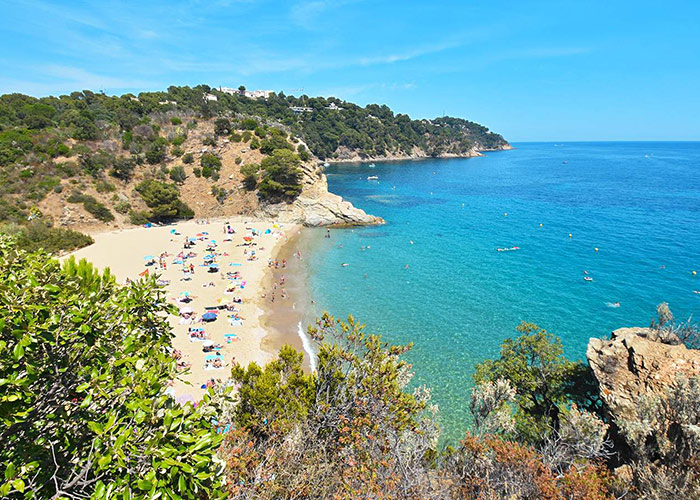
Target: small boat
[(372, 165), (588, 278), (511, 249), (372, 178), (326, 165)]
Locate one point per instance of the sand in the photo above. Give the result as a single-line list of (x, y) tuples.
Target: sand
[(123, 252)]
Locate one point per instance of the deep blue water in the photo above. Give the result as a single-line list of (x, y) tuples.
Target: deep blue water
[(638, 203)]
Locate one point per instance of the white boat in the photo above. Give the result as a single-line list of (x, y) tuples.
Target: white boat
[(372, 165), (326, 165), (372, 178)]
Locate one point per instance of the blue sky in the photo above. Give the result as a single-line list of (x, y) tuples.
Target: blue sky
[(531, 70)]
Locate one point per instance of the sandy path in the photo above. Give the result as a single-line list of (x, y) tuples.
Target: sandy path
[(124, 251)]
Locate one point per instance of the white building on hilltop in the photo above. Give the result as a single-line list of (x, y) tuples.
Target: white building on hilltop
[(252, 94)]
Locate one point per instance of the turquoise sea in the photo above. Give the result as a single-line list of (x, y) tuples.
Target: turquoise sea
[(638, 203)]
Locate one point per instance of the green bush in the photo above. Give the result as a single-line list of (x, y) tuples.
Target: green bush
[(138, 218), (281, 176), (222, 126), (103, 186), (163, 200), (175, 120), (122, 207), (250, 175), (37, 235), (235, 137), (157, 151), (211, 164), (188, 158), (178, 140), (86, 365), (247, 135), (123, 168), (209, 141), (249, 124), (255, 143), (92, 206), (177, 174), (197, 171), (177, 151)]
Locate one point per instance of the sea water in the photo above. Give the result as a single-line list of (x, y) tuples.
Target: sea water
[(433, 276)]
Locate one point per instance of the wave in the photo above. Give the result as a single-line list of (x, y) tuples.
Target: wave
[(307, 346)]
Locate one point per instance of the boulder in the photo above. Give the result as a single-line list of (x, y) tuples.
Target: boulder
[(634, 363)]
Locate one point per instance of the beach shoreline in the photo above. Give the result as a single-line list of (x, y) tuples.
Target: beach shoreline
[(252, 338), (286, 319)]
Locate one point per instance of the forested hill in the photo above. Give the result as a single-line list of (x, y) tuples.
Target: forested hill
[(330, 127)]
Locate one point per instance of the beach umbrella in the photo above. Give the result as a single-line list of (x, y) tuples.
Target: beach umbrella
[(186, 310), (149, 257), (173, 231), (204, 232), (184, 294), (247, 238), (223, 300), (210, 256), (210, 316), (208, 343)]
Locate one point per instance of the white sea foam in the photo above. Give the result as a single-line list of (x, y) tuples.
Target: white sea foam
[(306, 343)]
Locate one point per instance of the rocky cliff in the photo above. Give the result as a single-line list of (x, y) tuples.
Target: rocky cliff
[(634, 363), (316, 206)]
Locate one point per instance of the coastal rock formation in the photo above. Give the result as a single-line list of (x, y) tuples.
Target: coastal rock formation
[(633, 363), (346, 155), (316, 206)]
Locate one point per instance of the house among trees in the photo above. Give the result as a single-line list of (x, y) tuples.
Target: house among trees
[(301, 109), (251, 94)]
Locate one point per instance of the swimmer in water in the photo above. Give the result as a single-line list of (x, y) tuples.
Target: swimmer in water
[(345, 264), (406, 266), (411, 242)]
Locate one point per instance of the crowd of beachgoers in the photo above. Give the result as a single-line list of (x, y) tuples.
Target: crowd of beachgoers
[(213, 272)]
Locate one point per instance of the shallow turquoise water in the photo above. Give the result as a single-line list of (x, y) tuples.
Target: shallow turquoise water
[(639, 203)]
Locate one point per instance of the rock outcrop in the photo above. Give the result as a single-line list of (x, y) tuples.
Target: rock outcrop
[(316, 206), (634, 363)]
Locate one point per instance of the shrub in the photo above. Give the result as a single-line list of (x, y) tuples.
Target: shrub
[(238, 160), (178, 140), (123, 168), (276, 141), (281, 176), (249, 124), (93, 360), (122, 207), (163, 200), (37, 235), (235, 137), (303, 153), (177, 174), (222, 126), (177, 151), (211, 164), (197, 172), (138, 218), (188, 158), (103, 186), (92, 206), (175, 120), (250, 175), (157, 151), (209, 141), (254, 143), (246, 136)]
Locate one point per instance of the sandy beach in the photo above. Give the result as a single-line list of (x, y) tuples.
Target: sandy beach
[(229, 273)]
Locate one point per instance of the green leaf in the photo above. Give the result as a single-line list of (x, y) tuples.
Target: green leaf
[(144, 485), (18, 485), (10, 471), (18, 352)]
